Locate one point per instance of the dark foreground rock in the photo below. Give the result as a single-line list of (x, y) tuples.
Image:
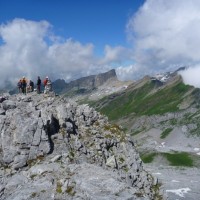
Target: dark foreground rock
[(52, 148)]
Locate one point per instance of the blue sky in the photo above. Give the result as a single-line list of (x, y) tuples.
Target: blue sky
[(98, 21), (70, 39)]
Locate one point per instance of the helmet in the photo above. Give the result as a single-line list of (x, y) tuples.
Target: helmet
[(47, 77)]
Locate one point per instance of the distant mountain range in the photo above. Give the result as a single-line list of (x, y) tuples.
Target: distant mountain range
[(80, 86), (84, 84), (162, 114), (88, 84)]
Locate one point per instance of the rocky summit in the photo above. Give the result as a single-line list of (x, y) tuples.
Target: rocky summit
[(53, 148)]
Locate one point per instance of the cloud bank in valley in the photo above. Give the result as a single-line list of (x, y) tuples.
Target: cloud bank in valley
[(191, 76), (166, 34), (30, 48)]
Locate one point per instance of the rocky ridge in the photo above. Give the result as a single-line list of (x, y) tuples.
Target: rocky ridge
[(53, 148), (162, 114), (84, 84)]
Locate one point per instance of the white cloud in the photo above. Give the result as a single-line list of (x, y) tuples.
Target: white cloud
[(30, 49), (115, 54), (166, 34), (23, 49), (191, 75), (70, 58), (131, 72)]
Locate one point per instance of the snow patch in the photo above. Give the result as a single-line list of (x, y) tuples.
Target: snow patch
[(194, 181), (157, 173), (180, 192), (175, 181), (198, 153), (196, 149), (162, 145)]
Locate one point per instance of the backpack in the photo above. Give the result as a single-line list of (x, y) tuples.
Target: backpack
[(45, 82), (19, 84), (31, 83), (24, 82)]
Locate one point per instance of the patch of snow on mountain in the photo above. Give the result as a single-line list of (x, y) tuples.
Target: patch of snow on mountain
[(180, 192)]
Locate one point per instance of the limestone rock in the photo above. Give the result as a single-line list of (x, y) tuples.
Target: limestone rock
[(58, 149)]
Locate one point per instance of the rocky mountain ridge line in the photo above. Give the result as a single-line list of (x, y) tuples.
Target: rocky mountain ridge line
[(39, 126)]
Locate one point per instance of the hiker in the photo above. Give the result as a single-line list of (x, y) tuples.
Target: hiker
[(31, 84), (45, 81), (19, 85), (24, 84), (38, 85), (47, 85)]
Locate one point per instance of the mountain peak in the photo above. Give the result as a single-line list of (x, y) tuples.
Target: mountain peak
[(84, 84)]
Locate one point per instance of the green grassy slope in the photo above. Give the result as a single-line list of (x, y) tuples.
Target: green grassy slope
[(179, 159), (148, 99)]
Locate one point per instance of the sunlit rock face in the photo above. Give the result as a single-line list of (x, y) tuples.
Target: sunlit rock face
[(53, 148)]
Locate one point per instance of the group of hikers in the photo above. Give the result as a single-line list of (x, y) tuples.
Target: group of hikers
[(25, 86)]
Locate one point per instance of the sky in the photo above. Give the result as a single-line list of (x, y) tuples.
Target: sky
[(70, 39)]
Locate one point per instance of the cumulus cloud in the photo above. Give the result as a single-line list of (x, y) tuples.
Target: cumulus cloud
[(115, 54), (30, 48), (130, 72), (191, 76), (22, 47), (166, 34)]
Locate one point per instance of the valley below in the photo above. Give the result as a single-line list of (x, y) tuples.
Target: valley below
[(169, 146), (163, 118), (179, 180)]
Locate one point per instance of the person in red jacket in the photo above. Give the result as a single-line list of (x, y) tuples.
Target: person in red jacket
[(45, 81), (24, 84)]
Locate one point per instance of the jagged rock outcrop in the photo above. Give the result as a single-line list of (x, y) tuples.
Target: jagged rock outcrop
[(93, 81), (52, 148), (84, 84)]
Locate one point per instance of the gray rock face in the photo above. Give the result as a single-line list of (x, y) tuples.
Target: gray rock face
[(8, 105), (58, 149), (93, 81), (85, 84)]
